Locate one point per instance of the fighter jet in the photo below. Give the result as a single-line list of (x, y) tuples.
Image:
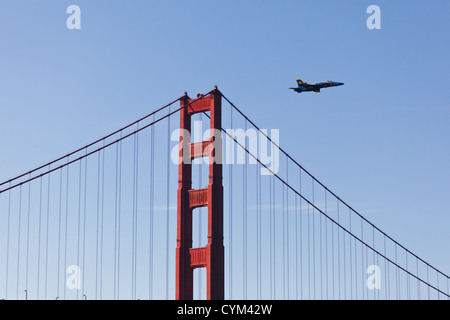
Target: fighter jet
[(303, 86)]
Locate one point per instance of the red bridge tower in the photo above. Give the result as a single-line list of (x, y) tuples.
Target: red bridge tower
[(211, 256)]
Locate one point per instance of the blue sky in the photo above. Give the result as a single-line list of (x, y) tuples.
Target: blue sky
[(381, 141)]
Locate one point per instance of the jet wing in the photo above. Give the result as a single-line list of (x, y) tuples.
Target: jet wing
[(315, 87)]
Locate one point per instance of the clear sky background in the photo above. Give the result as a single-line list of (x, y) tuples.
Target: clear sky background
[(381, 141)]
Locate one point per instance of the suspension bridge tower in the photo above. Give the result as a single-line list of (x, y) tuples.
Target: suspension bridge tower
[(211, 256)]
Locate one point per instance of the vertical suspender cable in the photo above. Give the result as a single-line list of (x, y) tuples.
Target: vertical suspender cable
[(274, 237), (374, 257), (152, 206), (39, 238), (258, 235), (137, 212), (366, 264), (258, 212), (309, 253), (230, 221), (326, 248), (437, 285), (356, 270), (18, 242), (134, 216), (386, 266), (351, 255), (270, 239), (296, 248), (97, 241), (133, 220), (338, 251), (333, 260), (417, 275), (47, 234), (314, 241), (7, 243), (116, 205), (66, 223), (388, 275), (397, 289), (101, 221), (260, 230), (244, 216), (119, 218), (257, 231), (271, 235), (287, 228), (320, 256), (284, 242), (362, 260), (28, 235), (79, 214), (58, 272), (167, 207), (301, 234), (272, 223), (84, 223), (448, 289), (407, 279), (344, 257)]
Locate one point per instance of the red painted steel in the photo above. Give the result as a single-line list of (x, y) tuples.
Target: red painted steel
[(198, 198), (200, 149), (198, 105), (198, 257), (211, 256)]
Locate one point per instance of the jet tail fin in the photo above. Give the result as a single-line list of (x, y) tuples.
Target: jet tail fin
[(300, 82)]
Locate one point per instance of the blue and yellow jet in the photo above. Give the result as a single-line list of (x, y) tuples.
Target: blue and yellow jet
[(303, 86)]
